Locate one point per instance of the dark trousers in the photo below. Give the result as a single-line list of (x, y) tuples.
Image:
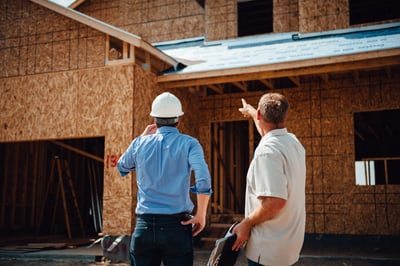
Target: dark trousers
[(161, 238)]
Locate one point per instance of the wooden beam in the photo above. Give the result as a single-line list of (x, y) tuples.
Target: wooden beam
[(125, 52), (241, 85), (295, 80), (217, 88), (132, 52), (324, 77), (76, 150), (267, 83), (299, 68), (76, 3), (147, 64), (356, 75), (107, 51), (388, 72)]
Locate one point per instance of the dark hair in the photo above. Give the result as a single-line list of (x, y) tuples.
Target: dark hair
[(169, 121), (273, 107)]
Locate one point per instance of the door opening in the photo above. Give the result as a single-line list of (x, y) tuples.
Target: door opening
[(52, 187), (229, 164)]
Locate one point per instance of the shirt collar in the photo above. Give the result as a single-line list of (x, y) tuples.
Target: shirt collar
[(167, 129), (276, 132)]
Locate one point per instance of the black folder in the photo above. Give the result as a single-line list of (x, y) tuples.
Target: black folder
[(222, 253)]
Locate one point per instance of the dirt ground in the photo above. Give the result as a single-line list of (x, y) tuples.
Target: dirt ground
[(317, 250), (201, 260)]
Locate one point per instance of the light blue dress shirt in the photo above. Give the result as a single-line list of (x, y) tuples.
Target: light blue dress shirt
[(163, 162)]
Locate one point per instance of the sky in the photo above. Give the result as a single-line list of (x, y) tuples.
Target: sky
[(65, 3)]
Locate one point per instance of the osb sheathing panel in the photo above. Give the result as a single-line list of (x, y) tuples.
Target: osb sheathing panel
[(285, 15), (154, 21), (77, 104), (221, 20), (316, 16), (36, 40)]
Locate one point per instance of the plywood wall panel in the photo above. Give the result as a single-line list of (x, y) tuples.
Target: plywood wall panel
[(43, 58), (144, 18), (60, 58), (42, 41), (23, 60), (95, 51), (317, 16), (10, 61), (333, 223), (221, 20), (31, 60), (115, 220), (74, 53)]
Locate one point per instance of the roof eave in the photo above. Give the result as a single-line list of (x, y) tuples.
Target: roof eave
[(349, 62)]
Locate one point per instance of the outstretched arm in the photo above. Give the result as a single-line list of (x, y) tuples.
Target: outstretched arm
[(249, 111)]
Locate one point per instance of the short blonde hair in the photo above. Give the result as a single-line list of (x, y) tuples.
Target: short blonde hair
[(273, 107)]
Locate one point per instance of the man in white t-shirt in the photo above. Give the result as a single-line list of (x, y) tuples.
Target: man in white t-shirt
[(274, 224)]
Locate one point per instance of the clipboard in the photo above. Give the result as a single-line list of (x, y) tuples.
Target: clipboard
[(222, 253)]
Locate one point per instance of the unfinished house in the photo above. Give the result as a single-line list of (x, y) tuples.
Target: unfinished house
[(77, 83)]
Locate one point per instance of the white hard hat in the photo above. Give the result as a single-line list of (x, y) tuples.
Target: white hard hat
[(166, 105)]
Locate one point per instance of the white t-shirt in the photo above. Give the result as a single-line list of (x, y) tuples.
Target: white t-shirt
[(277, 170)]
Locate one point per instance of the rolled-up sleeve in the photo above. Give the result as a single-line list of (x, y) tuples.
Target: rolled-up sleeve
[(201, 173), (126, 162)]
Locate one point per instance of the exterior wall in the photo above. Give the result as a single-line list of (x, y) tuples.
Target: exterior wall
[(321, 115), (154, 21), (76, 104), (54, 85), (316, 16), (34, 40), (221, 20), (286, 15)]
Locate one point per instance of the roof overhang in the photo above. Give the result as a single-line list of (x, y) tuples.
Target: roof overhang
[(288, 56), (317, 66)]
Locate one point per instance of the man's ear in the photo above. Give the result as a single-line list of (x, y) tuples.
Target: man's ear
[(258, 115)]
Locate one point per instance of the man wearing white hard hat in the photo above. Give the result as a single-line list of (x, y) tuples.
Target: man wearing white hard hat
[(163, 159)]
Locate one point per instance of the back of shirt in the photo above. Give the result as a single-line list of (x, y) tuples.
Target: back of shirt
[(277, 170), (163, 164)]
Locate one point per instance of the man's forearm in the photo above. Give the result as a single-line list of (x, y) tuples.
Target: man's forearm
[(268, 208), (202, 203)]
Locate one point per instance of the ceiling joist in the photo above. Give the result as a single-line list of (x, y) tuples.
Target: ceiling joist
[(218, 88), (295, 80), (241, 85), (324, 77), (267, 83)]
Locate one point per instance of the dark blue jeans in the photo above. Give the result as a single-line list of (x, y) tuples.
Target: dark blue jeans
[(253, 263), (161, 238)]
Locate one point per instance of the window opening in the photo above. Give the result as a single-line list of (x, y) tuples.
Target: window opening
[(255, 17), (115, 49), (377, 147), (364, 11)]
